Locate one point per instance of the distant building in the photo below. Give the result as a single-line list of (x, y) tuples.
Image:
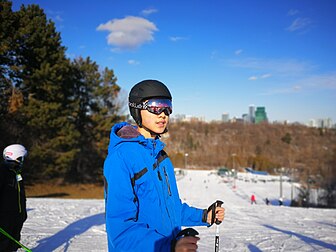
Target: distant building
[(225, 117), (239, 120), (195, 119), (187, 118), (233, 119), (179, 118), (246, 118), (260, 115), (324, 123), (312, 123), (251, 113)]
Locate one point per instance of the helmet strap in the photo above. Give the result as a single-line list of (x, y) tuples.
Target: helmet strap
[(156, 135)]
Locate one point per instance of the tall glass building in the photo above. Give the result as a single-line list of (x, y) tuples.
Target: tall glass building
[(260, 115)]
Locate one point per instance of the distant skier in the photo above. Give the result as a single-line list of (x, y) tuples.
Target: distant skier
[(13, 211), (280, 201), (267, 201), (253, 199)]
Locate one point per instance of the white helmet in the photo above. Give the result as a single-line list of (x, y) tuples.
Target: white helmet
[(15, 152)]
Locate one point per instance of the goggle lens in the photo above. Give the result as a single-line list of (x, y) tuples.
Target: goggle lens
[(157, 106)]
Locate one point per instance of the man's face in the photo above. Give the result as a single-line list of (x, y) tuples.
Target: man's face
[(155, 123)]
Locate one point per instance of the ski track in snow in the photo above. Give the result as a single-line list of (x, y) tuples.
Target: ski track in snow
[(79, 225)]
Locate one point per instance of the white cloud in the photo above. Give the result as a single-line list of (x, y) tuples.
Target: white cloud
[(284, 67), (133, 62), (311, 84), (59, 18), (147, 12), (176, 38), (285, 90), (292, 12), (116, 50), (214, 54), (297, 88), (299, 24), (238, 52), (253, 78), (324, 81), (129, 32), (265, 76), (56, 15)]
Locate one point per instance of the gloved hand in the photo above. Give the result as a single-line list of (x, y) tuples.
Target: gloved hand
[(186, 240), (216, 213)]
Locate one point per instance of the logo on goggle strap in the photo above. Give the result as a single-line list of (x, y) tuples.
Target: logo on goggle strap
[(135, 105)]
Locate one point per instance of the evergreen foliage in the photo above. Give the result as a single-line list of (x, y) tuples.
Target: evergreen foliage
[(61, 110)]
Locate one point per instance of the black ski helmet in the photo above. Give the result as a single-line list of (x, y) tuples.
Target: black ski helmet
[(145, 90)]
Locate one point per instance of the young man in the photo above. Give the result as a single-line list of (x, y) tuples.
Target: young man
[(13, 211), (143, 208)]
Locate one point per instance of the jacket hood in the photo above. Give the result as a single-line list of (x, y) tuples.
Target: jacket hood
[(124, 132)]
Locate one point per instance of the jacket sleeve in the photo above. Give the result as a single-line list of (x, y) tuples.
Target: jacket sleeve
[(124, 231), (192, 216)]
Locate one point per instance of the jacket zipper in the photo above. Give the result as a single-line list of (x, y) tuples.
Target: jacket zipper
[(19, 196), (167, 181), (18, 190), (19, 193)]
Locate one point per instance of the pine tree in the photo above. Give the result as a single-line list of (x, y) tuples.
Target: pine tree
[(37, 68), (62, 111), (94, 112), (7, 21)]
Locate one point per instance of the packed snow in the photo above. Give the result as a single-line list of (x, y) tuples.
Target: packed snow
[(78, 225)]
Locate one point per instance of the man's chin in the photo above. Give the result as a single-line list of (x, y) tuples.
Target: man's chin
[(160, 131)]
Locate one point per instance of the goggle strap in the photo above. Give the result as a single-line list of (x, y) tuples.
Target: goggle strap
[(163, 106), (136, 105)]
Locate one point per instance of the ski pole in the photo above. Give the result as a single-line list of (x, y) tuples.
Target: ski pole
[(17, 242), (218, 204), (217, 239)]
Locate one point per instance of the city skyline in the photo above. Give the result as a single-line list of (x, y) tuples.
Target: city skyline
[(214, 56), (249, 118)]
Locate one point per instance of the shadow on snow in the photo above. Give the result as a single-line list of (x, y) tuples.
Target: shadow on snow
[(304, 238), (253, 248), (327, 224), (64, 236)]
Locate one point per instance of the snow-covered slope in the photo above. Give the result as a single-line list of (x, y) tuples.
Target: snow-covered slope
[(258, 227), (78, 225)]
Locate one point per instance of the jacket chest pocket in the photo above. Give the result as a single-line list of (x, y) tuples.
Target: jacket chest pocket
[(143, 185), (164, 180)]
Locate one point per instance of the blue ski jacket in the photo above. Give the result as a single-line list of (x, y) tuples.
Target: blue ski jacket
[(143, 208)]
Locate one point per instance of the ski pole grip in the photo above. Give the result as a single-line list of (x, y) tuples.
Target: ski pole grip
[(183, 233), (218, 204), (189, 232)]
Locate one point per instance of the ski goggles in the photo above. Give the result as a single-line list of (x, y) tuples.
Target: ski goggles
[(155, 106)]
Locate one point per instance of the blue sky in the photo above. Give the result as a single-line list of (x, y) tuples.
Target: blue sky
[(215, 56)]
